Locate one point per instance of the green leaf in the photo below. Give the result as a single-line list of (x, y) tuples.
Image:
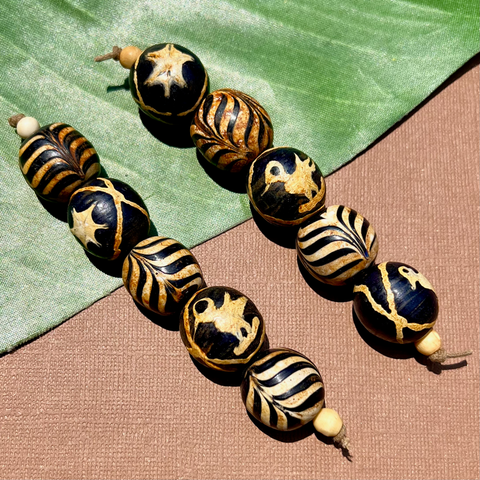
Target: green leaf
[(333, 75)]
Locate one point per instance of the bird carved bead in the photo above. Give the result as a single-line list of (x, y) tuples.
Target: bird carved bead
[(231, 129), (221, 328), (336, 245), (285, 186), (395, 302), (283, 389), (56, 160), (168, 82), (108, 218), (161, 274)]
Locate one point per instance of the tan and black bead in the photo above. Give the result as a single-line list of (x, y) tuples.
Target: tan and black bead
[(336, 245), (231, 129), (108, 218), (395, 302), (168, 82), (285, 186), (283, 389), (56, 160), (161, 275), (221, 328)]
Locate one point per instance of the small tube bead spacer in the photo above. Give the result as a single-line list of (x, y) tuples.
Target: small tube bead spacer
[(27, 126), (429, 344), (128, 56), (328, 422)]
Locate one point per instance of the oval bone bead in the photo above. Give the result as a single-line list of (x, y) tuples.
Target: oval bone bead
[(27, 126), (395, 302), (328, 422), (221, 328), (285, 186), (231, 129), (168, 82), (161, 274), (336, 245), (56, 160), (128, 56), (429, 344), (108, 218), (283, 389)]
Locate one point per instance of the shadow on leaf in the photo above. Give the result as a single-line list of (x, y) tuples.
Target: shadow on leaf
[(172, 135), (233, 182)]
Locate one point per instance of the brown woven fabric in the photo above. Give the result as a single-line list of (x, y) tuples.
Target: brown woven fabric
[(110, 394)]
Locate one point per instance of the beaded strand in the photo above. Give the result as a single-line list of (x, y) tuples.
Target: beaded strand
[(220, 327)]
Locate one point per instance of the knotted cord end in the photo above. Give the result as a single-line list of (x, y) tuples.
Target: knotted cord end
[(440, 356), (14, 119), (342, 441), (114, 55)]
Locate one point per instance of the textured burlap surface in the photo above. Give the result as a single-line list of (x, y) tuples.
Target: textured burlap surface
[(111, 394)]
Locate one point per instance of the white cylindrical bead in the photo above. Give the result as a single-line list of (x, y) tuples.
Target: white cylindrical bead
[(429, 344), (328, 422)]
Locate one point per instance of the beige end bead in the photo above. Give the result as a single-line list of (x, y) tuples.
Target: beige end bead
[(429, 344), (27, 126), (128, 56), (328, 422)]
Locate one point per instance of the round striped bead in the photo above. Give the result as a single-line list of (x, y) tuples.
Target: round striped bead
[(108, 218), (336, 245), (283, 389), (221, 328), (285, 186), (56, 160), (231, 129), (161, 274), (395, 302), (168, 82)]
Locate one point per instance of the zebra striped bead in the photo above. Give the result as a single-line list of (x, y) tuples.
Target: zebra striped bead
[(231, 129), (56, 160), (221, 328), (168, 82), (283, 389), (395, 302), (285, 186), (336, 245), (108, 218), (161, 274)]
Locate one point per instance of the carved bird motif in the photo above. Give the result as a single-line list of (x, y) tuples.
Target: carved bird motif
[(229, 319), (300, 182)]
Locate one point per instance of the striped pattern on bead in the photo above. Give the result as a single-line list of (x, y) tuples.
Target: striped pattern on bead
[(231, 129), (56, 160), (337, 245), (283, 389), (161, 274)]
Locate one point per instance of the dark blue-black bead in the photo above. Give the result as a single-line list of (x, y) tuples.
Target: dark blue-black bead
[(395, 302), (285, 186), (168, 82), (108, 218), (221, 328)]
